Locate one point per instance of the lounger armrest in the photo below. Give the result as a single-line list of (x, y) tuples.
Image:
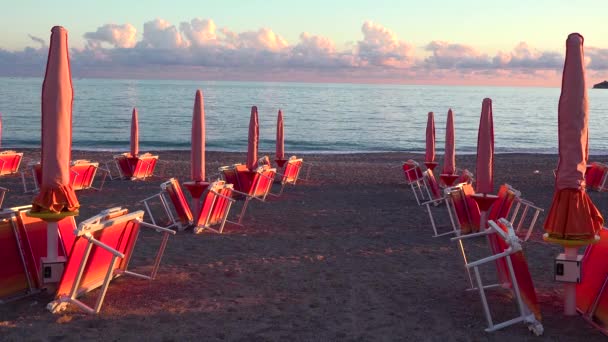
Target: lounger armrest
[(474, 235), (151, 197), (98, 243), (241, 193), (157, 228), (494, 257), (433, 201), (224, 196), (530, 204)]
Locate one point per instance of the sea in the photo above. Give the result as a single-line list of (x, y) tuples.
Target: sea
[(319, 117)]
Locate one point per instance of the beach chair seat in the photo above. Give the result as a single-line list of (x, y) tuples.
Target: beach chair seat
[(437, 197), (415, 179), (134, 168), (514, 275), (290, 174), (592, 290), (82, 176), (101, 251), (23, 243), (215, 207), (9, 162), (596, 177), (465, 209), (174, 204)]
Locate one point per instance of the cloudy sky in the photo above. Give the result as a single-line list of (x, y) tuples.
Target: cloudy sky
[(382, 41)]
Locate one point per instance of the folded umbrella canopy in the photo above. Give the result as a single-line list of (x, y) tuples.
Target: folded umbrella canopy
[(252, 146), (56, 193), (280, 147), (448, 175), (197, 153), (485, 150), (573, 216), (429, 156), (134, 134)]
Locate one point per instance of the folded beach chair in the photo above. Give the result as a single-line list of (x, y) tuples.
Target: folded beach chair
[(174, 204), (215, 207), (23, 243), (415, 179), (524, 217), (101, 251), (514, 275), (596, 177), (9, 162), (592, 290), (249, 185), (437, 196), (82, 176), (134, 168), (290, 174)]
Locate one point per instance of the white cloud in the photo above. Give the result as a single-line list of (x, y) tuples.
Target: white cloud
[(160, 34), (121, 36), (199, 32), (381, 47)]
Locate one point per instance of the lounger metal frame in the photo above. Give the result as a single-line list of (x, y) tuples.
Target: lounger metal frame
[(73, 176), (217, 201), (171, 185)]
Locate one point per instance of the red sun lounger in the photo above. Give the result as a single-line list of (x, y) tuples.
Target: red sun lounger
[(215, 207), (290, 174), (9, 162), (82, 176), (596, 177), (415, 179), (135, 168), (174, 204), (517, 278), (22, 245), (592, 291), (101, 252)]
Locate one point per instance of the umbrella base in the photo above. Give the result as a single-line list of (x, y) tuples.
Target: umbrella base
[(448, 180), (50, 216), (196, 189), (280, 162), (484, 201), (431, 165)]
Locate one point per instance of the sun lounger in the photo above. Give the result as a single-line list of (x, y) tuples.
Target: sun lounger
[(592, 291), (415, 179), (82, 176), (9, 162), (171, 193), (134, 168), (23, 243), (437, 197), (101, 252), (290, 174), (515, 276), (596, 177), (215, 207)]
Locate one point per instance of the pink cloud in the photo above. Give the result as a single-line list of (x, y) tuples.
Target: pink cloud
[(199, 31), (160, 34), (446, 55), (381, 47)]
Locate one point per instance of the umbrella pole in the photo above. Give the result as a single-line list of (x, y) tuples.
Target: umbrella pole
[(52, 238), (571, 254)]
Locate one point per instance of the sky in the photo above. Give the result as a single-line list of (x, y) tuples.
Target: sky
[(464, 42)]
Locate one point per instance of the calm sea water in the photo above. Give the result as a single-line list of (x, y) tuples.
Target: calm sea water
[(318, 117)]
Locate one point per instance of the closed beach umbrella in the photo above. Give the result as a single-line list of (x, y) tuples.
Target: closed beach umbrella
[(197, 153), (485, 150), (252, 146), (429, 156), (56, 193), (449, 157), (134, 134), (0, 128), (280, 148), (573, 215)]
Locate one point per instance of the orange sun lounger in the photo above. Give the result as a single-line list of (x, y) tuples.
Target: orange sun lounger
[(9, 162), (592, 291), (215, 207), (22, 245), (82, 175), (515, 276), (101, 251), (181, 215), (415, 179), (290, 174), (596, 177), (134, 168)]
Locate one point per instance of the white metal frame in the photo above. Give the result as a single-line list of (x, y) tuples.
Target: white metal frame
[(524, 314), (84, 230), (416, 182), (283, 182), (450, 209), (165, 204), (261, 197)]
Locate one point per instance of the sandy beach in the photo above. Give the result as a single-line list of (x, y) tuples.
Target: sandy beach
[(347, 255)]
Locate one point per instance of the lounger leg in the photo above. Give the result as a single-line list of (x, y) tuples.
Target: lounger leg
[(168, 210), (243, 211), (522, 218), (415, 193), (159, 255), (484, 300), (464, 257), (83, 263), (520, 303), (448, 206), (531, 227), (428, 209), (149, 212), (514, 215), (106, 283)]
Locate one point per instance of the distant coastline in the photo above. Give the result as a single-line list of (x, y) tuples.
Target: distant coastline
[(601, 85)]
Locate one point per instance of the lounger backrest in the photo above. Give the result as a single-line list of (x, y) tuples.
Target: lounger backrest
[(466, 209), (502, 207), (119, 233), (145, 165), (14, 277), (125, 164), (33, 233), (218, 213), (412, 171), (230, 176), (180, 204), (594, 275), (265, 181), (82, 174), (209, 199), (596, 175), (292, 170), (9, 162), (432, 183)]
